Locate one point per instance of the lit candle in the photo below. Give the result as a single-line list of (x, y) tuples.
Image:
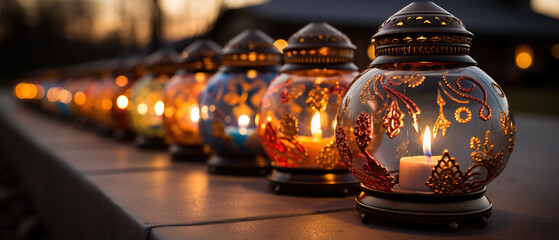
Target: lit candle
[(315, 143), (415, 170), (241, 133)]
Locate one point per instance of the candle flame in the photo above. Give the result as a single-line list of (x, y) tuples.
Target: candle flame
[(427, 144), (159, 108), (122, 102), (315, 126), (195, 114), (244, 120)]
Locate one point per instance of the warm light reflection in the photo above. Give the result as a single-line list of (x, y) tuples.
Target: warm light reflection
[(427, 144), (65, 96), (107, 104), (280, 44), (200, 77), (316, 129), (121, 81), (52, 94), (25, 91), (252, 73), (142, 108), (371, 52), (122, 102), (79, 98), (159, 108), (195, 114), (524, 56)]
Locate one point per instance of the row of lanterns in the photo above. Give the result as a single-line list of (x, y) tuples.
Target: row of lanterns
[(420, 132)]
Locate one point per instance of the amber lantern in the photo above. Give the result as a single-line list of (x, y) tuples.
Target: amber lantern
[(125, 75), (298, 113), (145, 105), (182, 113), (423, 128), (229, 104)]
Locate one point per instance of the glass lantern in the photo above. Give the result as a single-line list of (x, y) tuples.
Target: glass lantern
[(182, 113), (230, 101), (145, 105), (298, 113), (423, 128), (128, 72)]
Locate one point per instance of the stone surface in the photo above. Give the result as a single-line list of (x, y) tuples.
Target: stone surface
[(88, 187)]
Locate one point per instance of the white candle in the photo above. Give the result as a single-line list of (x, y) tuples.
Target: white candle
[(415, 170)]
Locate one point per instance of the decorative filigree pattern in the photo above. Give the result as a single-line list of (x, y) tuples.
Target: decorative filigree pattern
[(288, 126), (393, 120), (441, 123), (498, 90), (508, 128), (459, 111), (462, 93), (412, 108), (318, 98), (328, 157), (413, 80), (362, 130), (451, 97), (486, 158), (343, 148), (505, 122), (287, 152), (365, 94), (446, 175), (291, 93)]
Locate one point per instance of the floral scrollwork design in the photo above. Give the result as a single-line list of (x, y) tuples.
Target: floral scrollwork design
[(508, 128), (486, 158), (441, 123), (284, 155), (318, 98), (413, 80), (362, 130), (460, 90), (393, 120), (288, 126), (328, 157), (446, 176)]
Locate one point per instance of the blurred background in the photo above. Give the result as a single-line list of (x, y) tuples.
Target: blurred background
[(516, 41)]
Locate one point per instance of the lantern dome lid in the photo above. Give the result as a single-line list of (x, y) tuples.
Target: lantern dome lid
[(422, 32), (162, 57), (163, 61), (201, 56), (318, 45), (251, 48)]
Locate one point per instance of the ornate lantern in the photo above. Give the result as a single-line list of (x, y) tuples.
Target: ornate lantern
[(423, 128), (298, 113), (145, 105), (129, 71), (182, 113), (229, 104)]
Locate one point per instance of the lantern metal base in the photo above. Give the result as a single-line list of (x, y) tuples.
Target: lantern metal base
[(123, 135), (421, 208), (238, 165), (144, 142), (192, 153), (317, 182)]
